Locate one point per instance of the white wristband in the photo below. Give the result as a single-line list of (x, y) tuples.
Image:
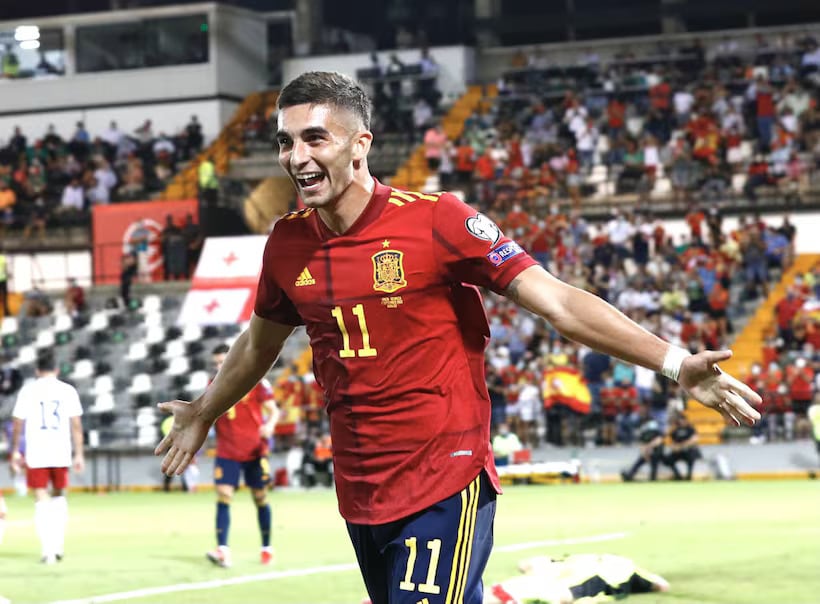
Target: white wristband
[(675, 355)]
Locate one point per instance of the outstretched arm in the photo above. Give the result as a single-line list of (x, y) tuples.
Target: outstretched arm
[(248, 360), (585, 318)]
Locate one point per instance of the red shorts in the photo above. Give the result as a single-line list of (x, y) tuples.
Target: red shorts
[(38, 478)]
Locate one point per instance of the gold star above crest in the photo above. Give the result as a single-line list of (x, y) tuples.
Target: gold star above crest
[(386, 243)]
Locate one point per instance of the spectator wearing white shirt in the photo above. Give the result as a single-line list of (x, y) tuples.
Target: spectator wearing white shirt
[(683, 100), (810, 62), (73, 199), (98, 193), (112, 135), (620, 230), (105, 175), (163, 145)]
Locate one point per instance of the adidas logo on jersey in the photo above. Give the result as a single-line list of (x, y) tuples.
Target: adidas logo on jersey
[(305, 278)]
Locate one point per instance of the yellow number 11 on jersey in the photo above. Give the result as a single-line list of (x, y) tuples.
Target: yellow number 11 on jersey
[(347, 352)]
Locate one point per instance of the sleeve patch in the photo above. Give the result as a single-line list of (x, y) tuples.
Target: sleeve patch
[(483, 228), (504, 252)]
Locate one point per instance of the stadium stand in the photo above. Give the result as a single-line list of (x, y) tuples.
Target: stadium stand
[(577, 160)]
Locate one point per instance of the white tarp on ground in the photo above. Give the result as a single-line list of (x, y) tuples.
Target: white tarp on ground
[(223, 287)]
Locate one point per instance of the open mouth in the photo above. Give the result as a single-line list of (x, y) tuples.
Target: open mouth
[(308, 182)]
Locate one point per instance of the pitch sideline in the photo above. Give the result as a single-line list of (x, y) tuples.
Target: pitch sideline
[(304, 572)]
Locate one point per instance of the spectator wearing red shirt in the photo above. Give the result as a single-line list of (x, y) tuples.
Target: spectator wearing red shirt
[(74, 298), (465, 162), (765, 112), (615, 112), (485, 174), (718, 301), (800, 378), (610, 398), (689, 330), (695, 219)]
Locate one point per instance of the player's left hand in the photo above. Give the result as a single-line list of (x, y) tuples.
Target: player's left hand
[(266, 430), (701, 377), (79, 463)]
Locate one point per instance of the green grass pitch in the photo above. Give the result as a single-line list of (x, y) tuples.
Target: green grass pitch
[(721, 543)]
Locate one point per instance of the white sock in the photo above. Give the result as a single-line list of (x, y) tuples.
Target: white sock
[(43, 524), (59, 511)]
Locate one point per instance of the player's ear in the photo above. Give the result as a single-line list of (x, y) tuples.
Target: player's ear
[(361, 145)]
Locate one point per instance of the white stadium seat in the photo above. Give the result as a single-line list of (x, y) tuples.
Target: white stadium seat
[(137, 352), (176, 348), (198, 381), (45, 339), (154, 335), (191, 333), (178, 366), (26, 355), (103, 384), (99, 321), (140, 384), (151, 304), (102, 402), (8, 326), (153, 319), (84, 368), (63, 323)]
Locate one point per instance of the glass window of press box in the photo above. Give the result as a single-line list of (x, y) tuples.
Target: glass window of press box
[(141, 44), (27, 51)]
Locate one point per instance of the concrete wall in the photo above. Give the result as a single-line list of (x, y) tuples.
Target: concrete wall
[(241, 53), (456, 65)]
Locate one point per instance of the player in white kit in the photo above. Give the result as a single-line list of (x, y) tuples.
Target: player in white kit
[(50, 410)]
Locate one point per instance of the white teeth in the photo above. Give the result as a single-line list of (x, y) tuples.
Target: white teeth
[(307, 176)]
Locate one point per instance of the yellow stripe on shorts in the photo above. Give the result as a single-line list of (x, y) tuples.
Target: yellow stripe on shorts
[(464, 543)]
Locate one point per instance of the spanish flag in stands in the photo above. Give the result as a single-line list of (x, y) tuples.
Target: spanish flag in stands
[(566, 386)]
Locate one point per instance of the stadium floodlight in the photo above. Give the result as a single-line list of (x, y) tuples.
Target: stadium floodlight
[(24, 33), (30, 44)]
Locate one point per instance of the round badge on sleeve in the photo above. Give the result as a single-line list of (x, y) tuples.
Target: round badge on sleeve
[(483, 228)]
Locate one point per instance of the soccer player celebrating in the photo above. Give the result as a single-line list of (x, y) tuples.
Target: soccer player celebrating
[(50, 410), (384, 280), (242, 436)]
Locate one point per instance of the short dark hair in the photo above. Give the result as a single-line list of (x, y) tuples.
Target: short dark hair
[(221, 349), (327, 88), (45, 362)]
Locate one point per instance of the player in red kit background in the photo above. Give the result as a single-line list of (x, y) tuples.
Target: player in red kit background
[(385, 282), (242, 442)]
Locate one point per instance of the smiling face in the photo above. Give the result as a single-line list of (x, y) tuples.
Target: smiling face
[(321, 147)]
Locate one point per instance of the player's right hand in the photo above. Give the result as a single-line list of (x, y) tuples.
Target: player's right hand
[(185, 438)]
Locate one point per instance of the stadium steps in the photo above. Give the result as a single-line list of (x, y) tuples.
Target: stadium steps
[(228, 145), (413, 174), (748, 348), (270, 199)]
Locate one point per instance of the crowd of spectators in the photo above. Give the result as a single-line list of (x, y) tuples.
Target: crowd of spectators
[(687, 291), (788, 376), (52, 180), (683, 124)]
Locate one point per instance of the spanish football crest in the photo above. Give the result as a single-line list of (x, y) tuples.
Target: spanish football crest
[(388, 271)]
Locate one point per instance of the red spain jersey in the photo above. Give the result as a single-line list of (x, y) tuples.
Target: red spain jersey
[(237, 430), (398, 332)]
